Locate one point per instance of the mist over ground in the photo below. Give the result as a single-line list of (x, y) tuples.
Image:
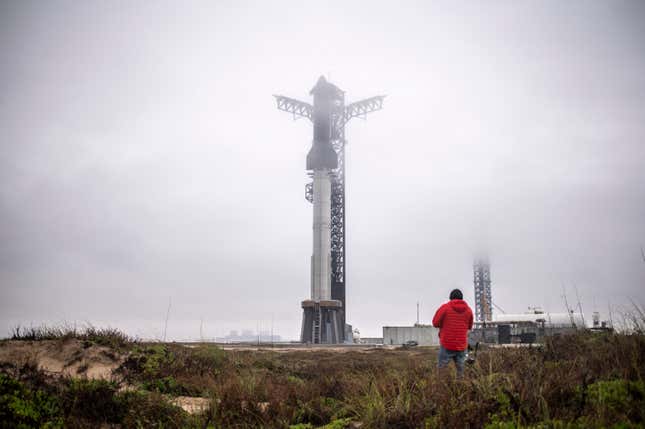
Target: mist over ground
[(143, 160)]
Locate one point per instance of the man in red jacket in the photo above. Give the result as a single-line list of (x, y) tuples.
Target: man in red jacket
[(454, 319)]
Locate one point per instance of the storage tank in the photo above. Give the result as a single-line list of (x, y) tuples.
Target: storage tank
[(549, 319)]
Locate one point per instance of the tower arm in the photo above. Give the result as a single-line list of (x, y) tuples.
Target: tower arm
[(296, 107), (363, 107)]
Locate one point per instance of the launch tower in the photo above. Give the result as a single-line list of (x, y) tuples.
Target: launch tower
[(483, 297), (324, 314)]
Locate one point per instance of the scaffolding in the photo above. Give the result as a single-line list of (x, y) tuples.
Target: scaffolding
[(483, 296)]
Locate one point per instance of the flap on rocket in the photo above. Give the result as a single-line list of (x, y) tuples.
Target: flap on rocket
[(322, 156)]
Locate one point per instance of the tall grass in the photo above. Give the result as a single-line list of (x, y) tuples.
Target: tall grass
[(109, 337), (633, 319), (578, 381)]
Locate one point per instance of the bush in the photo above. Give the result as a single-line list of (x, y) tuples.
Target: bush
[(20, 407), (92, 400), (174, 369), (29, 399), (617, 400)]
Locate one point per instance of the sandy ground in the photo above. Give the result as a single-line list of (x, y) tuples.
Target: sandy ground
[(69, 358), (73, 358), (191, 404), (287, 347)]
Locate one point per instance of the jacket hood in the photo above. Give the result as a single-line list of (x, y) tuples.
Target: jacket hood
[(459, 305)]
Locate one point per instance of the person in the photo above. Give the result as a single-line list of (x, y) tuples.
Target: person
[(454, 319)]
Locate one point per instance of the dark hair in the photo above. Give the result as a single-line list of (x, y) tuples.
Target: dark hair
[(456, 294)]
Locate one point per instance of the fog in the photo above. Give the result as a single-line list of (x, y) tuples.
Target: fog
[(143, 160)]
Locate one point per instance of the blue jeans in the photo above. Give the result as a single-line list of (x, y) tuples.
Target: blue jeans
[(445, 356)]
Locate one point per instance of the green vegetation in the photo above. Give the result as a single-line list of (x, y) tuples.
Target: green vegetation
[(108, 337), (29, 400), (21, 407), (578, 381), (174, 369)]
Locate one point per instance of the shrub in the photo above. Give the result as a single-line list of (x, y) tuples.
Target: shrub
[(92, 400), (174, 369), (30, 399), (21, 407), (617, 400)]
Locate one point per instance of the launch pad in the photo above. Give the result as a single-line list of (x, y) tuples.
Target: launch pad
[(321, 322)]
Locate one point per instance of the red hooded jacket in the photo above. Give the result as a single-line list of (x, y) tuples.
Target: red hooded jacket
[(454, 319)]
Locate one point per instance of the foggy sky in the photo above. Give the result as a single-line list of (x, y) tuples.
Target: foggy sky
[(142, 158)]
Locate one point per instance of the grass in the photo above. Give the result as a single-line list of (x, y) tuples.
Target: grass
[(578, 381), (108, 337)]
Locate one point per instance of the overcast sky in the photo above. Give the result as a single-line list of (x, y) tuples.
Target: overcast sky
[(142, 158)]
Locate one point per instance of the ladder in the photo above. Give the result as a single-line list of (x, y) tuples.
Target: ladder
[(316, 334)]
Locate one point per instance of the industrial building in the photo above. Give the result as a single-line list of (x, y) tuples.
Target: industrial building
[(505, 328), (527, 327), (424, 335)]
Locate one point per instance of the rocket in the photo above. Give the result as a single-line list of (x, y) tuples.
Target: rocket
[(323, 317), (322, 159)]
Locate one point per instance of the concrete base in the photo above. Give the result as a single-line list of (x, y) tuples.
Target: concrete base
[(322, 322)]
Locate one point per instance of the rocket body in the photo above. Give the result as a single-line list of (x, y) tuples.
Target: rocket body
[(321, 256), (322, 159)]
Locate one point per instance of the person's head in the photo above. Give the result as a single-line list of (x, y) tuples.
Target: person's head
[(456, 294)]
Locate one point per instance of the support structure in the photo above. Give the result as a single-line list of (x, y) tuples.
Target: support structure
[(329, 115), (483, 296)]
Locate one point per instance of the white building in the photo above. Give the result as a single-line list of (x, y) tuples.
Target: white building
[(425, 335)]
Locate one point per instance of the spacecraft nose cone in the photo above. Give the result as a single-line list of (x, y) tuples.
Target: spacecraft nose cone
[(322, 156), (324, 88), (320, 86)]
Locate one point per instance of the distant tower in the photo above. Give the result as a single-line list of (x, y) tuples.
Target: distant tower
[(483, 297)]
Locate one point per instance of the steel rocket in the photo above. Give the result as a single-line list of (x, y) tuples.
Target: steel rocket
[(322, 159)]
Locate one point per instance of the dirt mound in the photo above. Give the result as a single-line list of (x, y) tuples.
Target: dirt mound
[(69, 357)]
